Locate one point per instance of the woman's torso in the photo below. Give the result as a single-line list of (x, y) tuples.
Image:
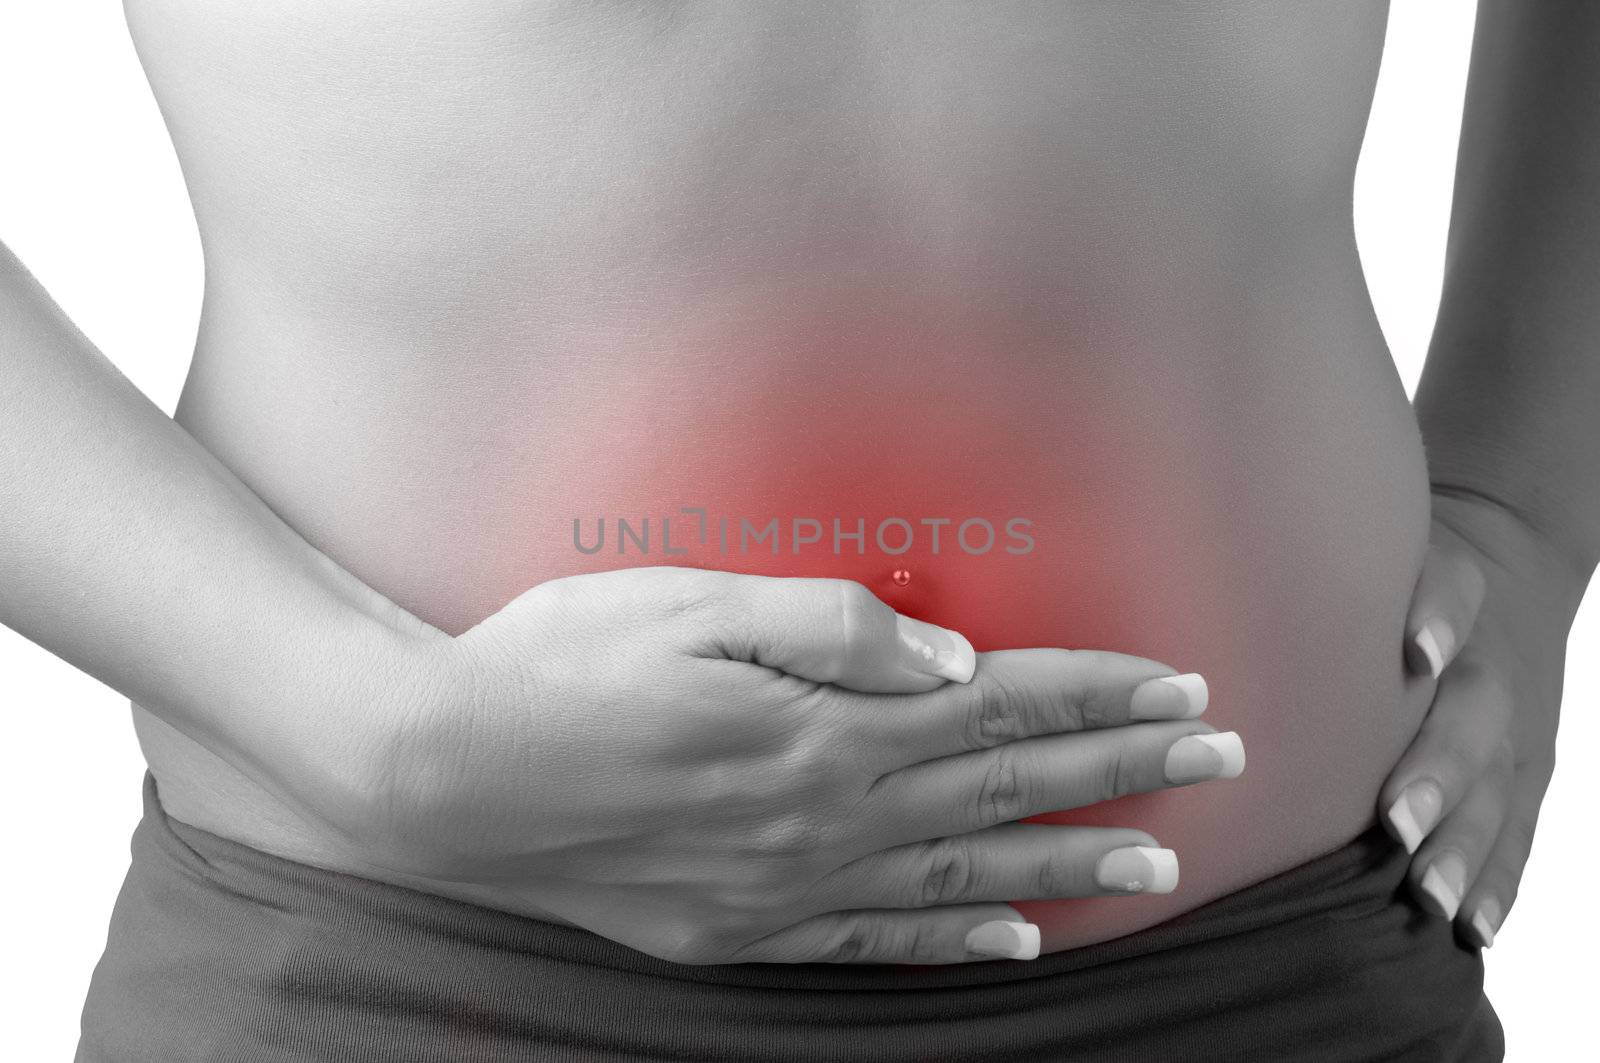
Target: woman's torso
[(477, 271)]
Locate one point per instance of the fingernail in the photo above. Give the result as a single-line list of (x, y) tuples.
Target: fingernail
[(1415, 811), (936, 650), (1445, 881), (1138, 869), (1170, 697), (1436, 641), (1486, 921), (1012, 941), (1196, 758)]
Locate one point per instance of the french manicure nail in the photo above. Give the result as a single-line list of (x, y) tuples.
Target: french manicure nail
[(1196, 758), (1169, 697), (1138, 869), (1415, 811), (1445, 881), (1012, 941), (936, 650), (1436, 641), (1486, 920)]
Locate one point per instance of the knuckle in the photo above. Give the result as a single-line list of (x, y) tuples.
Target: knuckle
[(687, 594), (872, 938), (688, 943), (812, 755), (857, 607), (1517, 836), (1503, 762), (947, 873), (1456, 761), (1000, 797), (1543, 769), (548, 599), (1088, 713), (994, 717), (1055, 875), (1445, 764), (807, 760), (1118, 774), (857, 937), (1507, 893), (1491, 691), (789, 838), (921, 944), (753, 892), (852, 627), (1495, 688)]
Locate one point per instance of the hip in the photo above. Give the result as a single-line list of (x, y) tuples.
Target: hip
[(219, 952)]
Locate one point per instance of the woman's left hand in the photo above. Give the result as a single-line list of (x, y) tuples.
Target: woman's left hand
[(1489, 619)]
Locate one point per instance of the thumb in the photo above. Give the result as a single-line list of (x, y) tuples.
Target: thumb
[(837, 631)]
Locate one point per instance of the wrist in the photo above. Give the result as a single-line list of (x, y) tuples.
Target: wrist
[(1548, 492), (1521, 547), (326, 736)]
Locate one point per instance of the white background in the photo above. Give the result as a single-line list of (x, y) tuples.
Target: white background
[(92, 201)]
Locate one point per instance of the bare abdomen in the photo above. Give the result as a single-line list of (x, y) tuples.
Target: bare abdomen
[(1086, 266), (1256, 513)]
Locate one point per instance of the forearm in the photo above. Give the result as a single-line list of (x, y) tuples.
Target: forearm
[(130, 551), (1509, 401)]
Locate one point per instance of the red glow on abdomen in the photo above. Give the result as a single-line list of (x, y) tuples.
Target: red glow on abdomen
[(1138, 540)]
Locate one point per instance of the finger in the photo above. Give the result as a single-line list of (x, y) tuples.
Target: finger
[(952, 934), (1444, 608), (954, 795), (1022, 694), (1490, 898), (832, 631), (1014, 861), (1453, 855), (1460, 735)]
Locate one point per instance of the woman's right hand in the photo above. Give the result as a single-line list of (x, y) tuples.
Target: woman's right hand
[(721, 768)]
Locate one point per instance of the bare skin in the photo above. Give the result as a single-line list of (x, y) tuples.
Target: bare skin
[(1110, 257), (1090, 264)]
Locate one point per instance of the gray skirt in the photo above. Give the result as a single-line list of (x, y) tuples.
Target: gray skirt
[(219, 952)]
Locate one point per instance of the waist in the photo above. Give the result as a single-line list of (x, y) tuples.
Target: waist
[(363, 970), (1255, 510)]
